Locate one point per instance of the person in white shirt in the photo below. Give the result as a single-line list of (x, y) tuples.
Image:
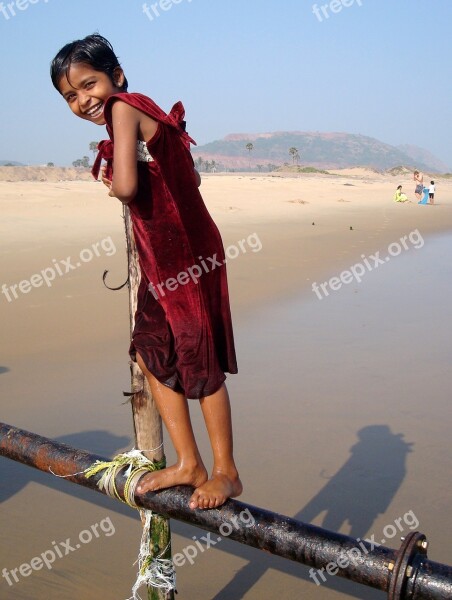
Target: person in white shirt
[(431, 192)]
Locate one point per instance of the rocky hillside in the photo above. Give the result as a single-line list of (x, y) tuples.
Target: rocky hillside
[(321, 150)]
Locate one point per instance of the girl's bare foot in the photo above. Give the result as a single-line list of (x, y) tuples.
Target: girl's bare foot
[(178, 474), (216, 490)]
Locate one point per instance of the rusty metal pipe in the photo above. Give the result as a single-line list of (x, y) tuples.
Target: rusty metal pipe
[(404, 573)]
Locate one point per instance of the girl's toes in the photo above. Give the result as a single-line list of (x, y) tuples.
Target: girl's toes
[(194, 501)]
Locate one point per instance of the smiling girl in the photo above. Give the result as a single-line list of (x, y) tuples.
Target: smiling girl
[(183, 339)]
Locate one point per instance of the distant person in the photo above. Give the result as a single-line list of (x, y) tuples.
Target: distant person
[(419, 179), (431, 192), (399, 196)]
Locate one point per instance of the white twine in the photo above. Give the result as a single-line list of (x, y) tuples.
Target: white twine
[(130, 496), (64, 476), (141, 460), (160, 573)]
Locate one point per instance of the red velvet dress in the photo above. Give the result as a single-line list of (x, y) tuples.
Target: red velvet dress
[(183, 327)]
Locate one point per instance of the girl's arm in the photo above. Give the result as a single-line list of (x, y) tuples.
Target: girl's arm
[(125, 130), (127, 125)]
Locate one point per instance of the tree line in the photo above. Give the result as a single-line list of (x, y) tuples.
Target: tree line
[(202, 165)]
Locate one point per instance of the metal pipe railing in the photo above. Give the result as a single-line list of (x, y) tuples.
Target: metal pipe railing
[(406, 573)]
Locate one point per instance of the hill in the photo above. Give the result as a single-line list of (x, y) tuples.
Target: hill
[(10, 163), (320, 150), (422, 156)]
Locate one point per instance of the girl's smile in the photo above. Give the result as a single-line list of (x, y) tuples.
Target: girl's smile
[(86, 91)]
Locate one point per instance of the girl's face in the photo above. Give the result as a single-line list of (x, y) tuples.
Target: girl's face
[(86, 91)]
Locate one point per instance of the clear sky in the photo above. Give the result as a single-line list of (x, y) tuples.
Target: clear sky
[(377, 67)]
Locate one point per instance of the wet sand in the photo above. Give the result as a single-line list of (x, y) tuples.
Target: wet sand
[(341, 405)]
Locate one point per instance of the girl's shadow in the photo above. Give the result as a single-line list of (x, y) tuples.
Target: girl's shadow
[(360, 491)]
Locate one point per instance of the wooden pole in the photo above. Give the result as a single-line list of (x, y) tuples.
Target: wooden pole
[(146, 419)]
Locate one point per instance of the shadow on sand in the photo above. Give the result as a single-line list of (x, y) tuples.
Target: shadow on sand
[(360, 491)]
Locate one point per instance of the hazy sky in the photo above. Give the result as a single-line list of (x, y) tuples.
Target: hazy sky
[(377, 67)]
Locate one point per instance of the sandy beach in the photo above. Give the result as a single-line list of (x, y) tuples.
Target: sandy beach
[(305, 398)]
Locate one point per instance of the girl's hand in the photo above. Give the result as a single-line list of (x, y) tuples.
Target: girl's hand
[(107, 182)]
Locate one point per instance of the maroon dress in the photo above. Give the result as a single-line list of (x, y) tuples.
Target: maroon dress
[(183, 327)]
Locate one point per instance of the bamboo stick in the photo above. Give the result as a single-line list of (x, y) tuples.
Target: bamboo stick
[(146, 419)]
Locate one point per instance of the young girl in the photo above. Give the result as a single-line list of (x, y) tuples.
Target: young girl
[(399, 196), (183, 339)]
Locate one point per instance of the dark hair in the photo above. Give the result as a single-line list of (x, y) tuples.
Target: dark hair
[(399, 187), (94, 50), (432, 183)]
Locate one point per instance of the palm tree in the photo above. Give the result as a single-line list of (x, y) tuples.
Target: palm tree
[(93, 148), (199, 163), (295, 156), (250, 148), (213, 166)]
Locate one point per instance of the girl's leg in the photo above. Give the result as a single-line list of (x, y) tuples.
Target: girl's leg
[(225, 482), (173, 408)]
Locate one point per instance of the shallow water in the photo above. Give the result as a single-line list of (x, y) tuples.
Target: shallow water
[(342, 418)]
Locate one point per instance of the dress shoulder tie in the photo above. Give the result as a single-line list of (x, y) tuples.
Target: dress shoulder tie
[(105, 152)]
